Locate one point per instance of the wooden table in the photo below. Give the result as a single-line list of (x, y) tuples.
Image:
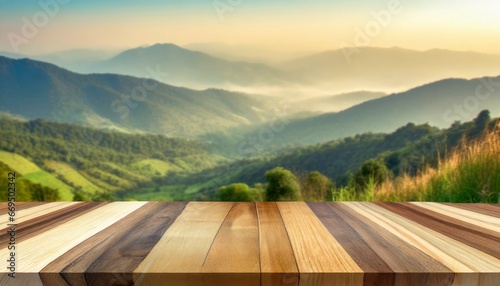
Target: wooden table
[(286, 243)]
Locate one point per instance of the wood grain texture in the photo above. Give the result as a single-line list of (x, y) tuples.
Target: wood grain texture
[(30, 226), (471, 266), (179, 255), (277, 261), (36, 252), (19, 206), (110, 256), (478, 237), (486, 209), (414, 268), (485, 221), (24, 214), (321, 260), (284, 243), (235, 249)]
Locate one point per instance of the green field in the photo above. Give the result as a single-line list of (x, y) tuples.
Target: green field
[(19, 163), (71, 175), (30, 171), (154, 167), (167, 193)]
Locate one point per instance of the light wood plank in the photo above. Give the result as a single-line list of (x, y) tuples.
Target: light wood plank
[(23, 215), (486, 221), (19, 205), (478, 237), (43, 222), (320, 258), (372, 247), (235, 249), (277, 261), (472, 266), (182, 250), (35, 253), (486, 209)]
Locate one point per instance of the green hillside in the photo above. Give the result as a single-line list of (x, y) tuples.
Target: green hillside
[(407, 151), (439, 104), (33, 173), (91, 162)]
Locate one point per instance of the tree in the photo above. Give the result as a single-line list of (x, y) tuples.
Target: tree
[(372, 172), (239, 193), (282, 185), (482, 119), (44, 194), (317, 187)]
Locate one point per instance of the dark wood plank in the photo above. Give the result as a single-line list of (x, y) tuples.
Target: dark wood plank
[(483, 239), (110, 256)]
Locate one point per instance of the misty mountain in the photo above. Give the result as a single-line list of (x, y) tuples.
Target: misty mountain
[(439, 104), (335, 103), (34, 89), (184, 67), (390, 68), (246, 53), (11, 55), (76, 59)]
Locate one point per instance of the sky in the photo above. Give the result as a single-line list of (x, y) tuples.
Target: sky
[(45, 26)]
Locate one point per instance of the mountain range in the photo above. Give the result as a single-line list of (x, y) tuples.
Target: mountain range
[(439, 104), (193, 69), (338, 71), (34, 89), (369, 68)]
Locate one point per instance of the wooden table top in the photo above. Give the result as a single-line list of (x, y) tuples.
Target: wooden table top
[(223, 243)]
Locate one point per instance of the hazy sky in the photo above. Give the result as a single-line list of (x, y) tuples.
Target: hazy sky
[(301, 25)]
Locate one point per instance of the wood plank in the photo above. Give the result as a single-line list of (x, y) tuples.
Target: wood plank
[(486, 209), (235, 249), (284, 243), (342, 228), (471, 266), (111, 255), (24, 214), (485, 221), (481, 238), (320, 258), (30, 226), (414, 268), (179, 255), (37, 252), (19, 205), (277, 261)]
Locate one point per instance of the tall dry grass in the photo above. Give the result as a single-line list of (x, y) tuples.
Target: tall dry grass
[(470, 174)]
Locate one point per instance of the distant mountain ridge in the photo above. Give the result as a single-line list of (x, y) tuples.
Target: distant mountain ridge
[(372, 68), (35, 89), (439, 104), (191, 68), (335, 103), (330, 72)]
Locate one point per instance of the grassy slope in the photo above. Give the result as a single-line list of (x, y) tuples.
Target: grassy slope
[(35, 174), (470, 175), (71, 175)]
